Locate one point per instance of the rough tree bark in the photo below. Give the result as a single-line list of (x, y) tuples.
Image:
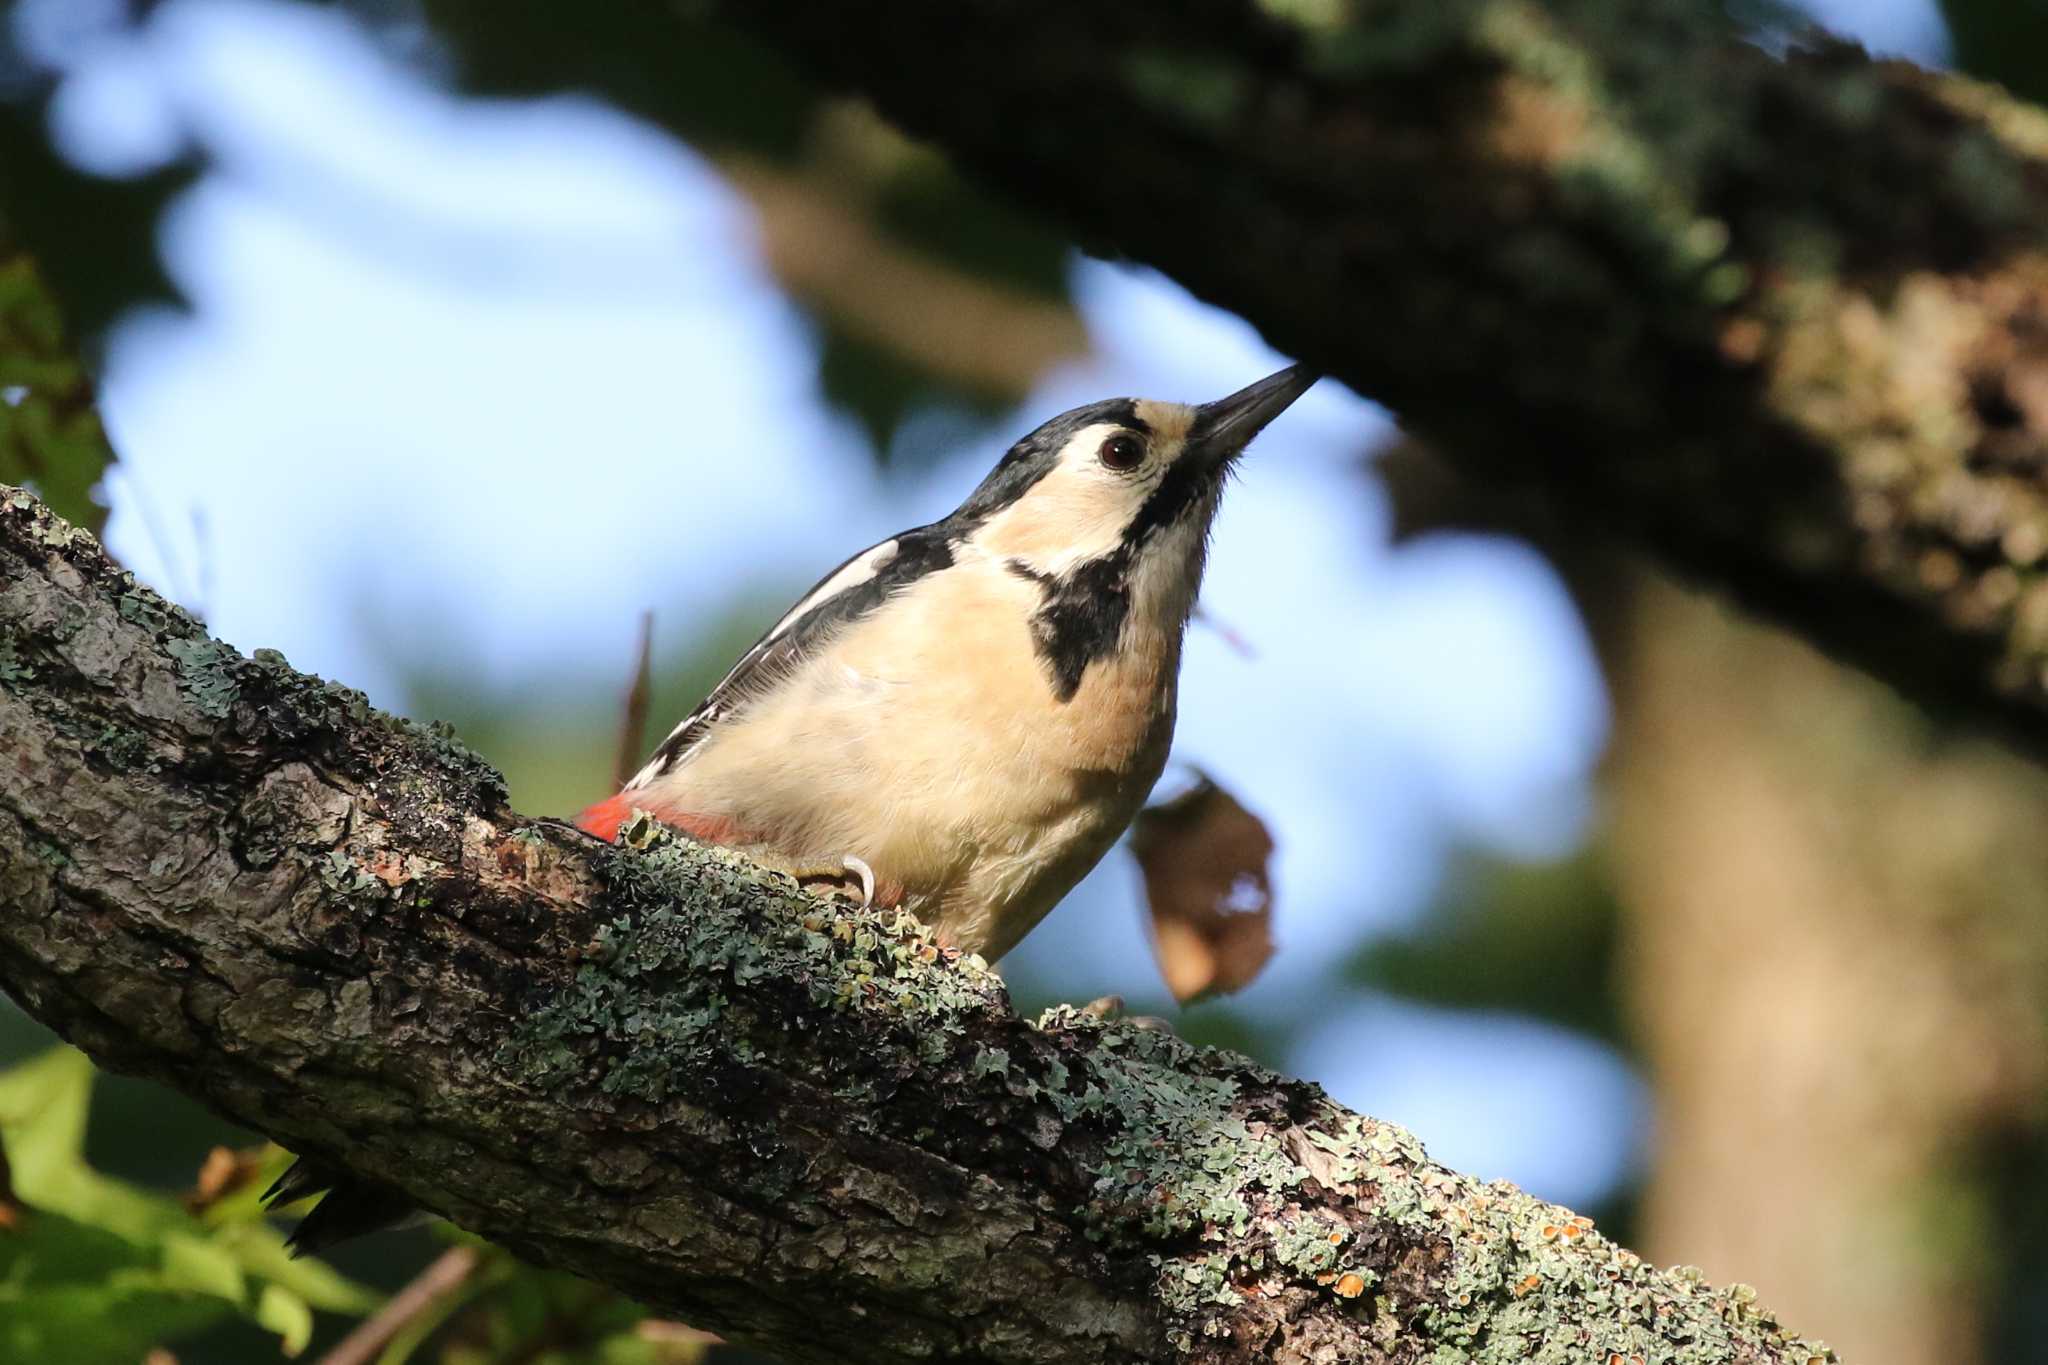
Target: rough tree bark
[(782, 1118), (1785, 323)]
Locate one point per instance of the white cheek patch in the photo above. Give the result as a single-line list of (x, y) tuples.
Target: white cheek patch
[(1079, 511)]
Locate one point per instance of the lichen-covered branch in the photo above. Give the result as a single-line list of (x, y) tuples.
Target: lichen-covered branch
[(786, 1119), (1783, 322)]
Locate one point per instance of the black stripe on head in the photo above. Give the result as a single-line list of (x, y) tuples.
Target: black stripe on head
[(1032, 458), (1183, 485), (1084, 610), (1081, 618)]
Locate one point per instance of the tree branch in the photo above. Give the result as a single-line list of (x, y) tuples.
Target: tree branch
[(1784, 323), (781, 1118)]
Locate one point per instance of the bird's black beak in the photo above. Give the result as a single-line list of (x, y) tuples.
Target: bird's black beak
[(1225, 427)]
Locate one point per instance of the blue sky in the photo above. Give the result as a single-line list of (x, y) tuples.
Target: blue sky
[(479, 380)]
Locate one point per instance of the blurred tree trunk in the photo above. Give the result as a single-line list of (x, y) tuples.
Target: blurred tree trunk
[(1837, 956), (1834, 958)]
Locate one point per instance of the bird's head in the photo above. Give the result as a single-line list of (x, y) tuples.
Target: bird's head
[(1126, 481), (1107, 510)]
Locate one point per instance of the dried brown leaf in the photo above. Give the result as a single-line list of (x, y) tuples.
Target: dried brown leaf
[(1204, 858), (224, 1171)]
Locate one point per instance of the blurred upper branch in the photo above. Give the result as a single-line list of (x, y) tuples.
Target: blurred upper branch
[(1782, 321)]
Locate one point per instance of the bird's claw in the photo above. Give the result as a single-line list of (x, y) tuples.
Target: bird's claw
[(852, 880), (866, 874)]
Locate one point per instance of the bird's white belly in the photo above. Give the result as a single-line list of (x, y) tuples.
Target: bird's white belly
[(946, 762)]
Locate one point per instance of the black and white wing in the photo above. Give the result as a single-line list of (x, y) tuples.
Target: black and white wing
[(853, 590)]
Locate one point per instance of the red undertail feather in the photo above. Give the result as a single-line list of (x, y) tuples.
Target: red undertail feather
[(607, 817), (604, 818)]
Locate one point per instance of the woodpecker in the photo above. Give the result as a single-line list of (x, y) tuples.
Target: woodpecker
[(967, 715)]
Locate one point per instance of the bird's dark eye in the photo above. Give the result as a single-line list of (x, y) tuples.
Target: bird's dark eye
[(1122, 451)]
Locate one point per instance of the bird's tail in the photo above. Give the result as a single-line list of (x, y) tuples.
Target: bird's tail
[(608, 817), (604, 818)]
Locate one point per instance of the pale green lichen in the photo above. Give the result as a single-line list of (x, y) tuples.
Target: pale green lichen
[(206, 673), (1189, 1286), (1529, 1281), (120, 746), (13, 667), (1222, 1176), (1514, 1278), (147, 610), (339, 874), (284, 703), (1178, 1160), (663, 991), (1310, 1245)]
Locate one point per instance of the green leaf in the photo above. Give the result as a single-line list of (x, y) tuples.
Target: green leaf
[(629, 1348), (202, 1268), (74, 1293), (50, 434), (285, 1313), (43, 1104), (101, 1270), (260, 1251), (43, 1107)]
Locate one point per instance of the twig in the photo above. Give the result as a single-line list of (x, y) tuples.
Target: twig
[(633, 726), (160, 540), (1236, 642), (202, 556), (443, 1277)]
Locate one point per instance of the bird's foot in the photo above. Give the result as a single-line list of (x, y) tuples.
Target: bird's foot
[(866, 874), (853, 879)]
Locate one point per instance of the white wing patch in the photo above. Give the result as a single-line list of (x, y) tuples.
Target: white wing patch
[(851, 574), (679, 743)]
